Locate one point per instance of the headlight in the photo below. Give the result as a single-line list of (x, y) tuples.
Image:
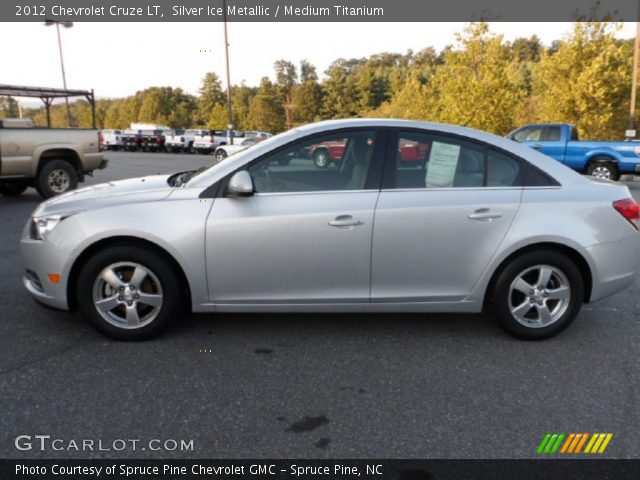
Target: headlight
[(41, 226)]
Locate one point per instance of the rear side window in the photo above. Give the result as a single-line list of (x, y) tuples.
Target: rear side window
[(427, 160), (537, 178), (503, 170), (552, 134), (433, 160)]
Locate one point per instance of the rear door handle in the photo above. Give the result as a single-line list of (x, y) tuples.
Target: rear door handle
[(345, 221), (484, 214)]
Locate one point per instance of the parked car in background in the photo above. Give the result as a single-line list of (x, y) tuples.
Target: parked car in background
[(560, 141), (327, 153), (182, 141), (478, 222), (209, 141), (112, 139), (224, 151), (53, 160), (144, 140), (129, 139)]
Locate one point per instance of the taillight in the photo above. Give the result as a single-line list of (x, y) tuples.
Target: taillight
[(629, 209), (100, 141)]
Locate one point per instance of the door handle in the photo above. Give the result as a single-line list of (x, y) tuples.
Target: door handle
[(484, 214), (345, 221), (537, 146)]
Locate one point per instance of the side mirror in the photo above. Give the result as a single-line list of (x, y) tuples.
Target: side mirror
[(240, 185)]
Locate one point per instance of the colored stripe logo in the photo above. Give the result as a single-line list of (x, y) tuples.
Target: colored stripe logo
[(573, 443)]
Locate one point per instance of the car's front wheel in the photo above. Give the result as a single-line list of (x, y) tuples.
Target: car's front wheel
[(538, 294), (321, 158), (129, 293), (220, 155)]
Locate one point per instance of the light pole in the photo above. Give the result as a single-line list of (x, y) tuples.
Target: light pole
[(226, 57), (634, 79), (57, 23)]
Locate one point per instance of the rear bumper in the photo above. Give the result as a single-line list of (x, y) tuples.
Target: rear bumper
[(103, 164), (616, 266)]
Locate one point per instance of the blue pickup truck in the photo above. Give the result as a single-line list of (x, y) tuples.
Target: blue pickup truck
[(600, 159)]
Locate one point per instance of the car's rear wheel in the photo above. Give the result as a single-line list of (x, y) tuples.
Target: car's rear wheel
[(56, 177), (538, 294), (603, 169), (129, 293)]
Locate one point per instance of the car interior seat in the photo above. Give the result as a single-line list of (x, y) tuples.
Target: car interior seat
[(360, 151)]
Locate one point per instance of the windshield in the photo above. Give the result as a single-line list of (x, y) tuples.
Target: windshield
[(237, 158)]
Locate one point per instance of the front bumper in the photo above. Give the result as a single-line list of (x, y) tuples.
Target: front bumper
[(41, 258)]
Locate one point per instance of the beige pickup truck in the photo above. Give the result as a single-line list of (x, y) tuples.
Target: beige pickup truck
[(51, 160)]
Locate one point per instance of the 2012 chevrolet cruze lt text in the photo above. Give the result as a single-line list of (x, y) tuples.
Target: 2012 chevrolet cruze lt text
[(408, 217)]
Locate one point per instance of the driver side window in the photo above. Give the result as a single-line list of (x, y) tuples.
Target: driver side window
[(337, 161)]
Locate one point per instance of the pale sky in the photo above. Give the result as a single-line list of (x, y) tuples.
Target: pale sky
[(117, 59)]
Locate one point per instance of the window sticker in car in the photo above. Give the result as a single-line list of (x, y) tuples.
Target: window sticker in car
[(443, 162)]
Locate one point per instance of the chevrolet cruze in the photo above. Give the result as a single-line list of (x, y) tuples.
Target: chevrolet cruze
[(412, 217)]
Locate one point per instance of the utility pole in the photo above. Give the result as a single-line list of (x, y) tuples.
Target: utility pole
[(226, 56), (48, 23), (631, 132)]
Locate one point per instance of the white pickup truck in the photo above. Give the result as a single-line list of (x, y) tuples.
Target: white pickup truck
[(112, 139), (250, 138), (53, 160), (208, 142), (182, 140)]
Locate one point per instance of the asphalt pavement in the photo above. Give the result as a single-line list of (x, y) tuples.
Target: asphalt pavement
[(307, 385)]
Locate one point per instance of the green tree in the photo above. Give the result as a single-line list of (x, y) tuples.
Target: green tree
[(341, 95), (265, 110), (476, 85), (209, 95), (9, 107), (586, 81)]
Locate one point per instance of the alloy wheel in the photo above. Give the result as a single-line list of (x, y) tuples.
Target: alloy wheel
[(127, 295), (539, 296)]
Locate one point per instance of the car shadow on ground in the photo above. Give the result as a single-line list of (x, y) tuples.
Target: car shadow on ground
[(30, 196), (344, 324)]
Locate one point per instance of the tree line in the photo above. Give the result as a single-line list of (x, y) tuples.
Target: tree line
[(480, 81)]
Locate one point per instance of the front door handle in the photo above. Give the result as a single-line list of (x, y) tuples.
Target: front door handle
[(484, 214), (345, 221), (537, 146)]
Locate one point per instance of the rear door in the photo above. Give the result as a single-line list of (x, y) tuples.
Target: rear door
[(441, 217)]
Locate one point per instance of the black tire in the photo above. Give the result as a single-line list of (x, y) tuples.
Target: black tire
[(321, 158), (56, 177), (504, 298), (220, 155), (603, 168), (170, 288), (12, 189)]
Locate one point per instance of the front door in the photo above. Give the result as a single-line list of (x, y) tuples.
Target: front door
[(305, 235)]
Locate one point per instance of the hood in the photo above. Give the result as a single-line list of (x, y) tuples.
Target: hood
[(133, 190)]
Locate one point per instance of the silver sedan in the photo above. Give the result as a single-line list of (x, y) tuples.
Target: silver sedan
[(404, 217)]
